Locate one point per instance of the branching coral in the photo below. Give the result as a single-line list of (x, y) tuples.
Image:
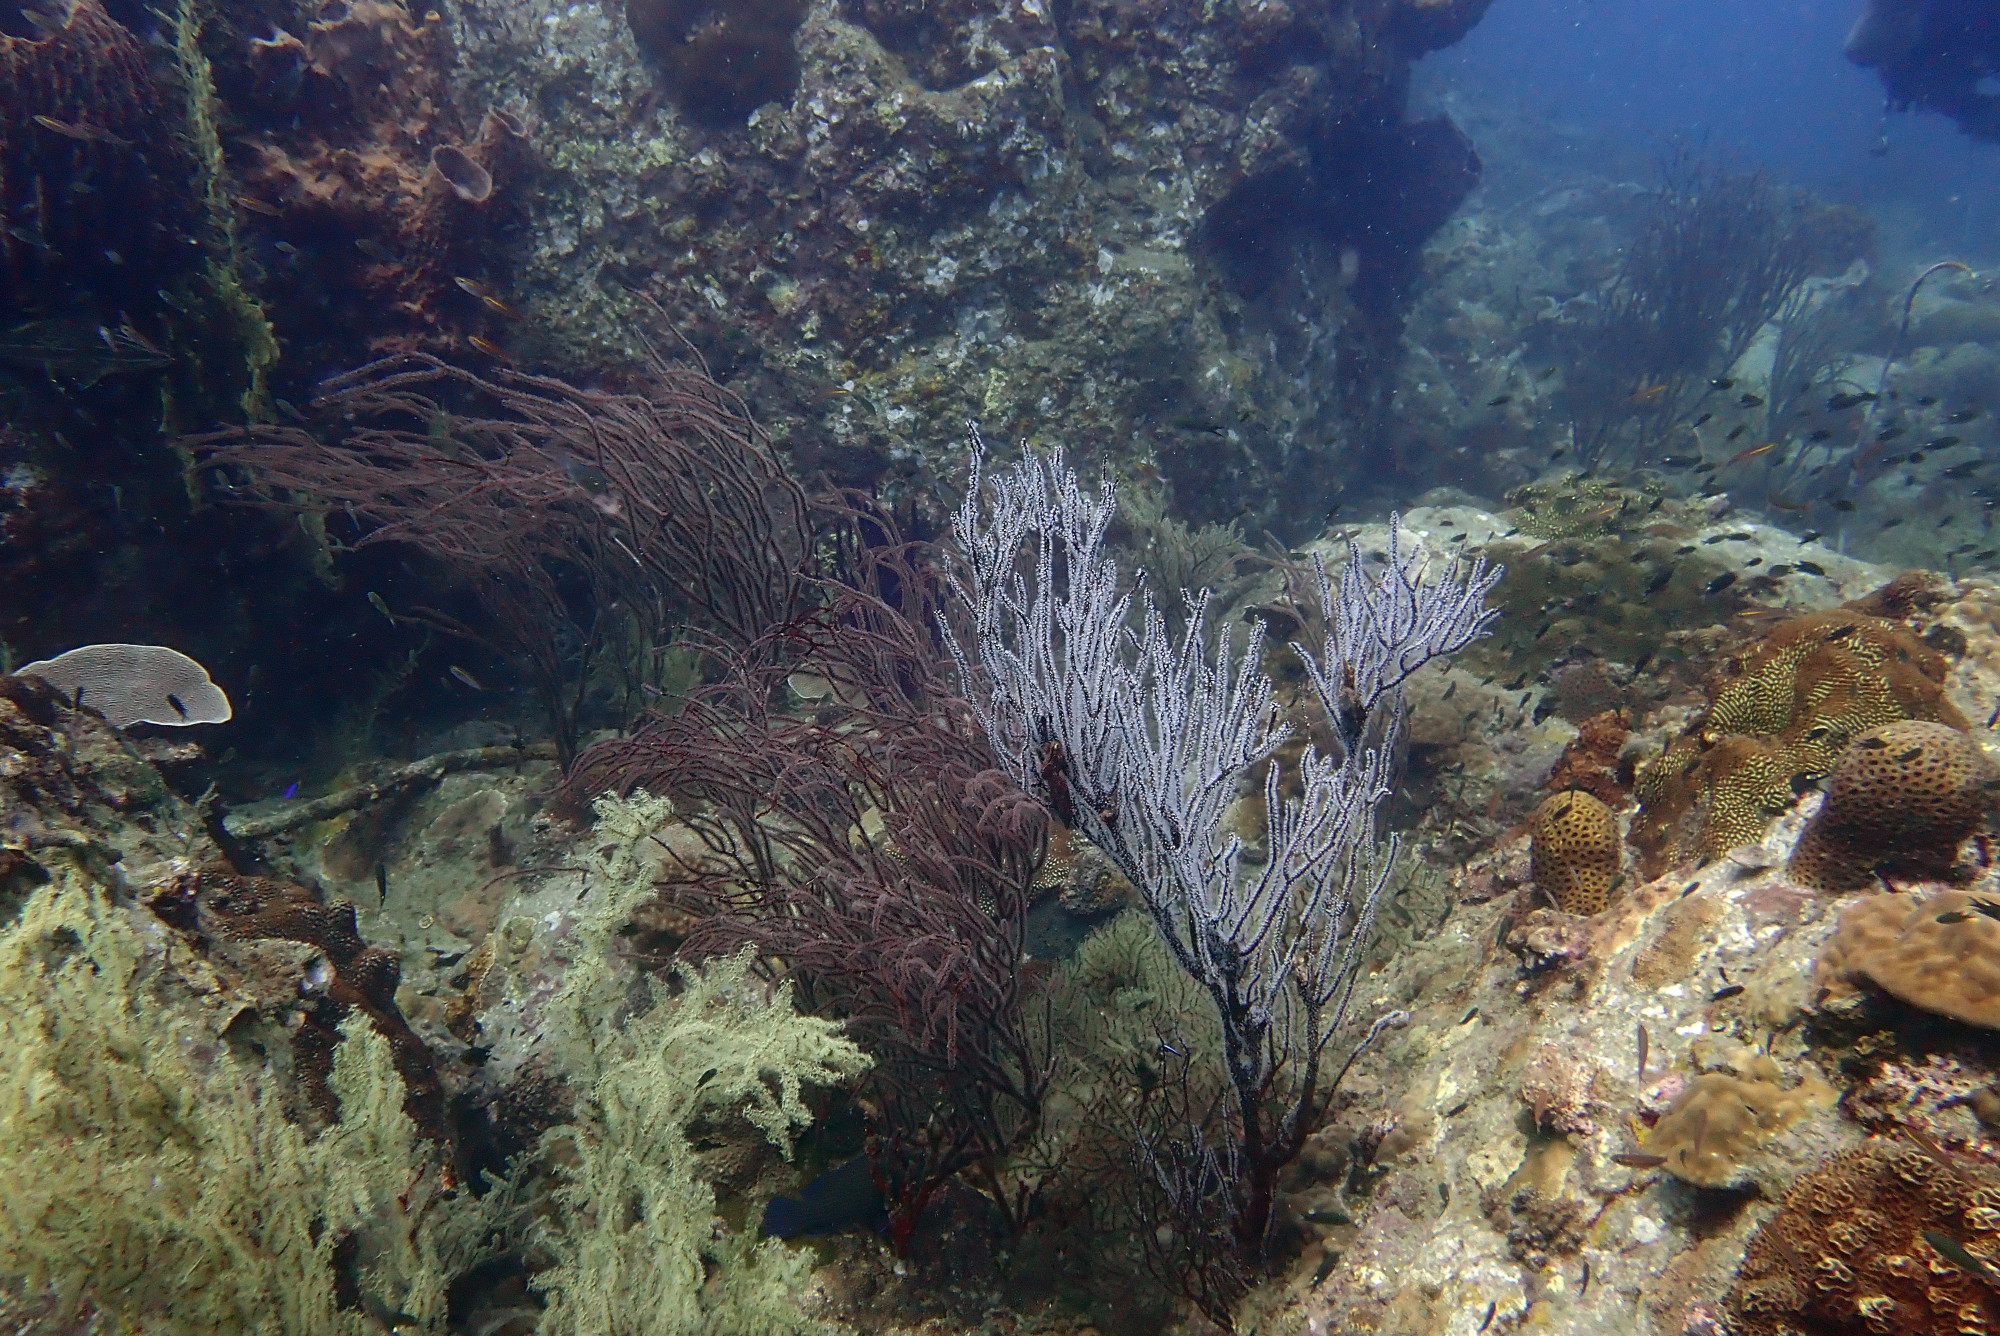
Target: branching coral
[(637, 1246), (1142, 743), (565, 512), (868, 843)]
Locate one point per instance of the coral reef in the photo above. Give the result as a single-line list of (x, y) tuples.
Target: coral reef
[(1940, 952), (1707, 1135), (145, 1162), (1900, 801), (1883, 1237), (378, 186), (1576, 852), (1779, 720)]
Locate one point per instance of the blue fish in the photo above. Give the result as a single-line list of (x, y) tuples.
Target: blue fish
[(292, 789), (837, 1201)]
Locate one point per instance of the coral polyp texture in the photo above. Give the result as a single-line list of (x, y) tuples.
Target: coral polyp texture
[(1855, 1247), (1574, 848), (1778, 722), (1709, 1134), (1901, 800), (1938, 952)]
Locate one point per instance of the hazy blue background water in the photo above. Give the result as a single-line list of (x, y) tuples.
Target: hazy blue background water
[(1766, 82)]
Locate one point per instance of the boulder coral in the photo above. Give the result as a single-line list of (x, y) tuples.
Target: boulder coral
[(1902, 799), (1574, 850), (1877, 1238), (1778, 722), (1939, 952)]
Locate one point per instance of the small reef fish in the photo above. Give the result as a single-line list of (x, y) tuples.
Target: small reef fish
[(254, 205), (473, 288), (292, 789), (1955, 1252), (1645, 394), (1750, 401), (838, 1200), (374, 249), (1737, 431), (465, 677), (1494, 402), (81, 133), (1639, 1160), (1754, 452), (1720, 583), (1840, 403), (1962, 415), (488, 346), (1722, 383)]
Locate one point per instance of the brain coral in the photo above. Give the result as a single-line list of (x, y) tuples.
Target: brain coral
[(1851, 1250), (1574, 850), (1781, 720), (1707, 1135), (1938, 952), (1901, 799)]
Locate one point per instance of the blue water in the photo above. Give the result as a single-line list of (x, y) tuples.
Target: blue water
[(1765, 82)]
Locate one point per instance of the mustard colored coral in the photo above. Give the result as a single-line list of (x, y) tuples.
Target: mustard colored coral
[(155, 1178), (1574, 851)]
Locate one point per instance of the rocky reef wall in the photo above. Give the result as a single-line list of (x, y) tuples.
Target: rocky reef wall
[(1184, 234)]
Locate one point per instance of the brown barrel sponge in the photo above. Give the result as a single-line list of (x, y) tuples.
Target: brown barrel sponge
[(1938, 952), (1901, 798), (1574, 851)]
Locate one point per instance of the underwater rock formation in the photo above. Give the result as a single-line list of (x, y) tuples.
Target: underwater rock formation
[(1937, 56), (947, 182), (96, 187), (1900, 801), (369, 188)]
